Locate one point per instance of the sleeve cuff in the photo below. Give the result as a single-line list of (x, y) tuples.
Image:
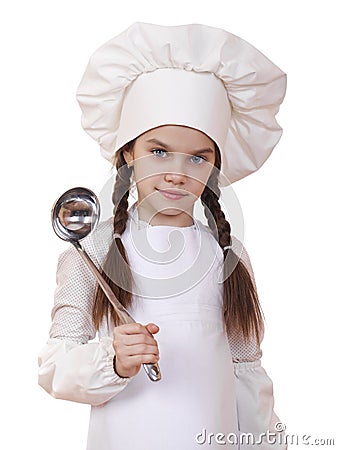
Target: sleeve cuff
[(82, 373), (110, 366), (246, 366)]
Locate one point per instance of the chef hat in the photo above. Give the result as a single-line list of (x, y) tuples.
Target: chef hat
[(192, 75)]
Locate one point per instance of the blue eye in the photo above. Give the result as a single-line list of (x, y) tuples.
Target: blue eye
[(199, 160), (158, 150)]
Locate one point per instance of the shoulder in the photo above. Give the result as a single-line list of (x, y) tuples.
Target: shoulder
[(96, 244), (237, 245), (100, 239)]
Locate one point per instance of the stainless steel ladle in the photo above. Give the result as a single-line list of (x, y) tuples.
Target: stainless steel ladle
[(74, 215)]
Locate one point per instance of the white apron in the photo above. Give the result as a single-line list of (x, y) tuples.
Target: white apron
[(176, 272)]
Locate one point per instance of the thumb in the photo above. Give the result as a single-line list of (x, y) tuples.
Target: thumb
[(152, 328)]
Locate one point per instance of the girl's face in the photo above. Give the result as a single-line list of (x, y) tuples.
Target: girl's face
[(171, 166)]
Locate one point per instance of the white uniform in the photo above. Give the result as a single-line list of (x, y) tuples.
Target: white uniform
[(213, 387)]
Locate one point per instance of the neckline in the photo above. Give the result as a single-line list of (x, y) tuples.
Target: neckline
[(133, 214)]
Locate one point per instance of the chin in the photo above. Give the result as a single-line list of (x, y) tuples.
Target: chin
[(171, 211)]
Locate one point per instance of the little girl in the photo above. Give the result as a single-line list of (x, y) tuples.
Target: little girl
[(181, 111)]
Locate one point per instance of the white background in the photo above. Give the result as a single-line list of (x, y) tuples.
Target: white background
[(288, 204)]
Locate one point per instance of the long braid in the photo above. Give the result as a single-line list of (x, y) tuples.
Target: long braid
[(116, 271), (242, 311)]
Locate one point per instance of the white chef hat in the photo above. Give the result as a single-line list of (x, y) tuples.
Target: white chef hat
[(192, 75)]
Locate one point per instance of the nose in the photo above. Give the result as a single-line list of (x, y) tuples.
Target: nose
[(175, 178), (176, 173)]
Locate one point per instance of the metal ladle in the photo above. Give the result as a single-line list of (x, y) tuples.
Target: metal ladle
[(75, 215)]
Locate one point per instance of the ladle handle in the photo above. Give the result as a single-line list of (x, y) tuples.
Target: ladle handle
[(152, 370)]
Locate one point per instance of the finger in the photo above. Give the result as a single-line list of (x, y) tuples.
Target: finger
[(133, 339), (152, 328), (139, 349), (142, 359), (127, 345), (131, 328)]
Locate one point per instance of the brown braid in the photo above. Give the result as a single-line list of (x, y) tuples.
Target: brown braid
[(116, 271), (242, 311)]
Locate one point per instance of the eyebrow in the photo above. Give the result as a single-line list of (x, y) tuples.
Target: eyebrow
[(166, 146)]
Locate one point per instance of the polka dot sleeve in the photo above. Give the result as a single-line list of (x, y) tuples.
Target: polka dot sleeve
[(71, 367)]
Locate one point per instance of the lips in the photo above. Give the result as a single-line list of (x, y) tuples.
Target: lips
[(171, 194)]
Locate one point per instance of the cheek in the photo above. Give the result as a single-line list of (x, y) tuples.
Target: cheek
[(200, 176), (147, 168), (197, 188), (146, 179)]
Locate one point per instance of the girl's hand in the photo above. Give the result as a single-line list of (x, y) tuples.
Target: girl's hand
[(134, 345)]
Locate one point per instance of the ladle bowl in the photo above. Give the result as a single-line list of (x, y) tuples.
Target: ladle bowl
[(75, 214)]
